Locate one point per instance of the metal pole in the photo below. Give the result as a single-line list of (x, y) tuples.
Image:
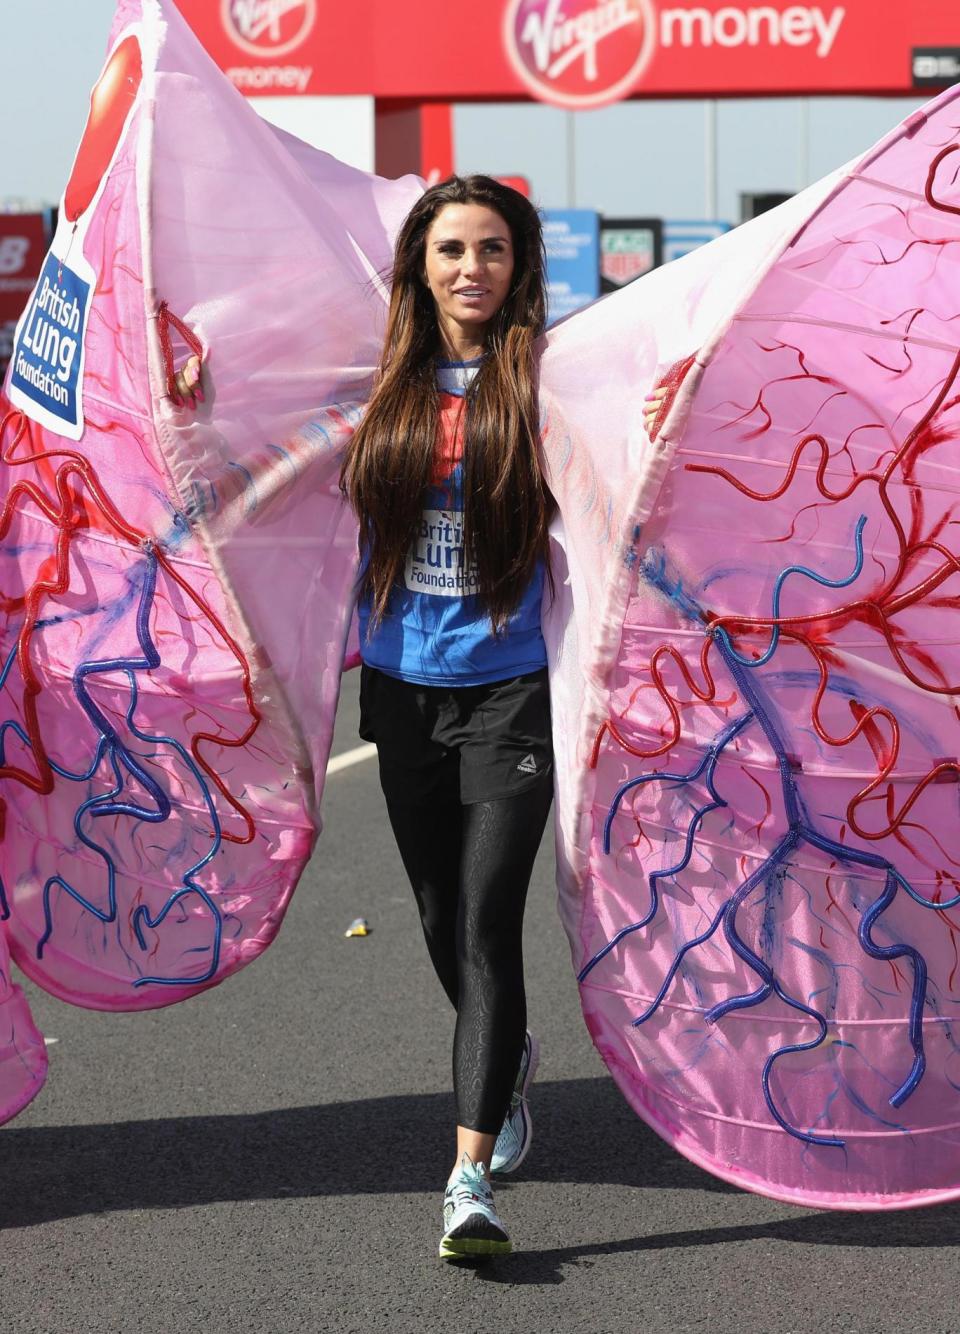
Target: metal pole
[(571, 160), (710, 159)]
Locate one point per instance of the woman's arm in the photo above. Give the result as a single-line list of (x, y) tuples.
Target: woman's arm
[(248, 487), (326, 434)]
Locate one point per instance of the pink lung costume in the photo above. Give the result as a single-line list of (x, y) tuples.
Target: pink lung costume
[(753, 670)]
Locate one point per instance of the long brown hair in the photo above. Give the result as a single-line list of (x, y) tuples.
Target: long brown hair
[(390, 460)]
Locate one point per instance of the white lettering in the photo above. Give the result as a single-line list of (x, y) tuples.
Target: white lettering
[(68, 350), (755, 17), (687, 20), (13, 251), (435, 563), (798, 25), (41, 380), (730, 27), (50, 351), (827, 29), (29, 325), (51, 300), (558, 42), (256, 17), (271, 76)]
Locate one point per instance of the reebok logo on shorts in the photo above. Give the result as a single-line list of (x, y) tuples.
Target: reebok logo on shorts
[(527, 765)]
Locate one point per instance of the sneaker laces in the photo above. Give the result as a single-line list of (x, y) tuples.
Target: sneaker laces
[(470, 1183)]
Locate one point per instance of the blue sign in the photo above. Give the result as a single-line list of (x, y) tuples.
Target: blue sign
[(47, 351), (572, 240), (679, 238)]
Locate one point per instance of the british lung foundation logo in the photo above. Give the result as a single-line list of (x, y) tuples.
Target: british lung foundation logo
[(268, 27), (579, 53)]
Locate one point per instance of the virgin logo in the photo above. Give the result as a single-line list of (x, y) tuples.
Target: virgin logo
[(268, 27), (579, 53)]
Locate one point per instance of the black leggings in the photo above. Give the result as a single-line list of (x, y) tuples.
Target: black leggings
[(470, 867)]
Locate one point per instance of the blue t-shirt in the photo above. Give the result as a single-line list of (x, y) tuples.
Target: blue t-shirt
[(434, 631)]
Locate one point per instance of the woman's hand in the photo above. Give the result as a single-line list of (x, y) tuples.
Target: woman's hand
[(654, 402), (187, 380)]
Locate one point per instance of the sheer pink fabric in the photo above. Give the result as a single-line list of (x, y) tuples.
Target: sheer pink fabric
[(177, 584), (756, 660), (752, 655)]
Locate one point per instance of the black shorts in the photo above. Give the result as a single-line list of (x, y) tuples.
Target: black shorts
[(457, 743)]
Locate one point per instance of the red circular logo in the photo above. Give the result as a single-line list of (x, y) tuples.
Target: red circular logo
[(268, 27), (579, 53)]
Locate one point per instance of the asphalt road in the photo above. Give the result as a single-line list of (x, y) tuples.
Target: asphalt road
[(270, 1156)]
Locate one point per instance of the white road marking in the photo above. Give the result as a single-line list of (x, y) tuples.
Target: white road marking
[(50, 1041), (355, 756)]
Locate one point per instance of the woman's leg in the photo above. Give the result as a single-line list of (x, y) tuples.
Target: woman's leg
[(421, 785), (499, 843), (429, 839)]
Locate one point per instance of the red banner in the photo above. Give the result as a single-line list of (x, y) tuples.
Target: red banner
[(572, 52), (24, 238), (23, 244)]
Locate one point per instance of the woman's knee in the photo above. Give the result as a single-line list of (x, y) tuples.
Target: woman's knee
[(491, 939)]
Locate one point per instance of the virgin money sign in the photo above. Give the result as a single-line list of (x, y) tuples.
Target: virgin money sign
[(574, 53), (587, 53), (579, 53)]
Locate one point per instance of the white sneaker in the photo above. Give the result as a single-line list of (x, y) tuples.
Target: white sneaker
[(516, 1134), (470, 1222)]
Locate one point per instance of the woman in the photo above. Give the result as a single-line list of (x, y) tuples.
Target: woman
[(444, 476)]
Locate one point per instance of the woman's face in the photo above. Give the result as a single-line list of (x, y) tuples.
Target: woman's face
[(468, 263)]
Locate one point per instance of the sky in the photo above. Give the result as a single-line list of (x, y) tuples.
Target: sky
[(51, 54), (643, 158)]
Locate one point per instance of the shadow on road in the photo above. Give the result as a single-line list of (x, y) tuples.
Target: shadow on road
[(585, 1134), (936, 1227)]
